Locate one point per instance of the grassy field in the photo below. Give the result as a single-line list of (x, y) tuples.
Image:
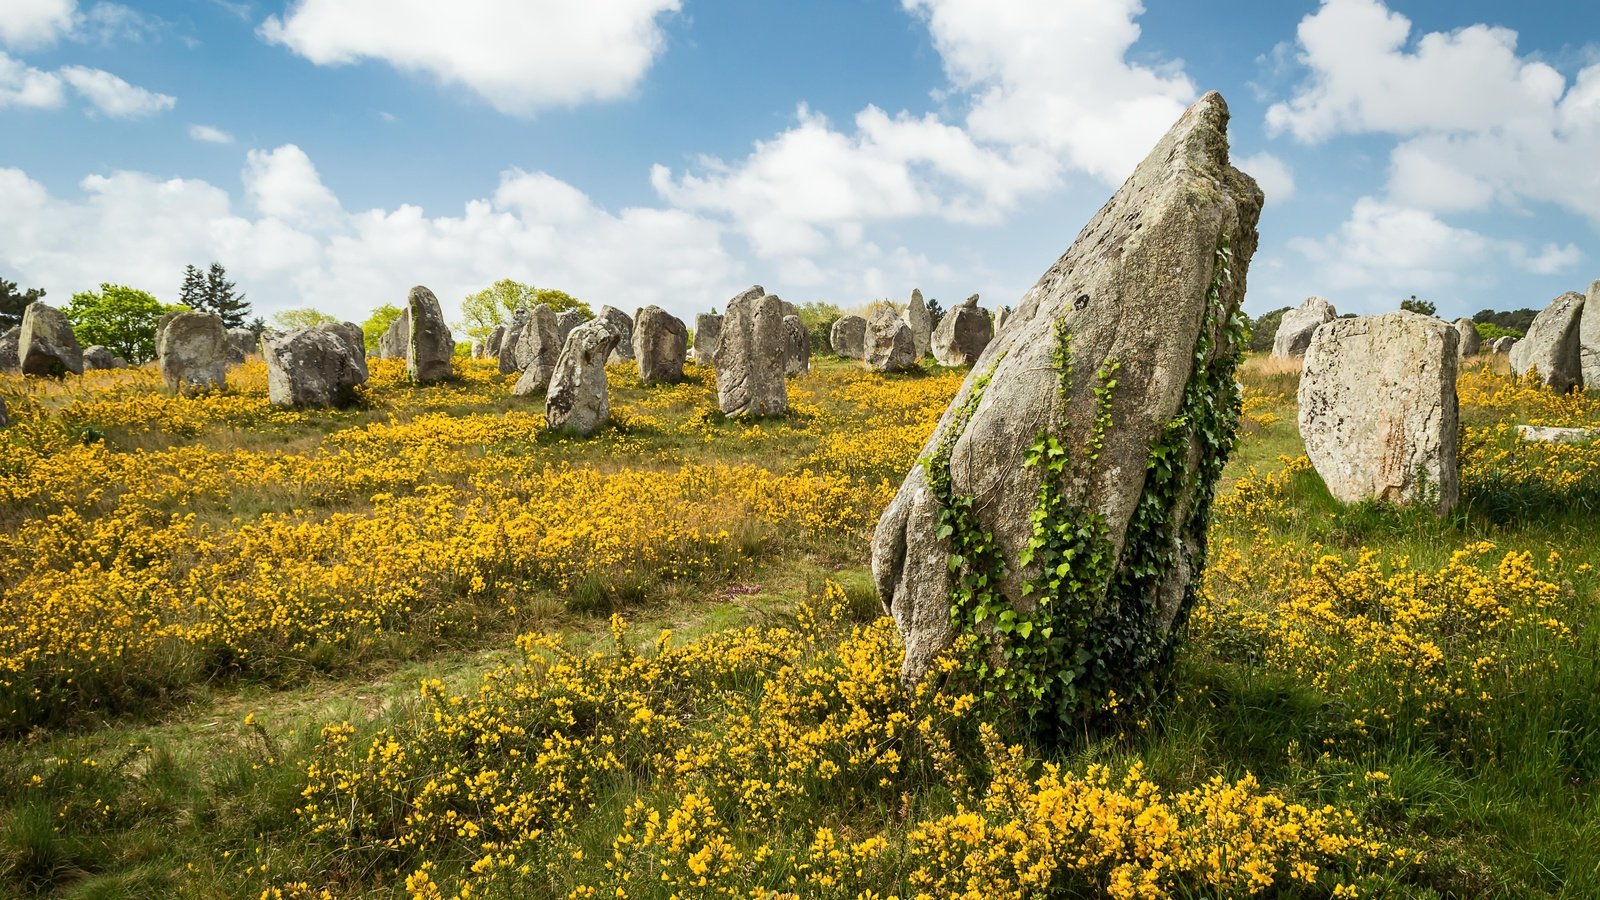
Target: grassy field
[(422, 648)]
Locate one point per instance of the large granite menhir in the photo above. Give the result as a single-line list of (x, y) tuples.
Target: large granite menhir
[(431, 348), (1552, 347), (660, 345), (318, 366), (46, 344), (577, 401), (1299, 324), (193, 352), (750, 356), (1132, 293)]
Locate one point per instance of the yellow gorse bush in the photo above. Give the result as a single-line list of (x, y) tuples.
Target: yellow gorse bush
[(746, 750)]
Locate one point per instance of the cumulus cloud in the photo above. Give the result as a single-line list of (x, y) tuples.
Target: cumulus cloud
[(113, 96), (35, 23), (290, 242), (210, 134), (24, 86), (1273, 174), (519, 55)]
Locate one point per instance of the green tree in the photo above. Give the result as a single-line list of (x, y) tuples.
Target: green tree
[(935, 312), (1425, 307), (301, 318), (193, 292), (376, 324), (13, 302), (818, 318), (121, 318), (211, 292), (497, 303)]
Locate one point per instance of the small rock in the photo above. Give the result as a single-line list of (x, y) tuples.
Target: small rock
[(98, 357), (1471, 341), (1550, 434)]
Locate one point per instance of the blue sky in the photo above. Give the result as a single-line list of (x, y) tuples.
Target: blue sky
[(334, 152)]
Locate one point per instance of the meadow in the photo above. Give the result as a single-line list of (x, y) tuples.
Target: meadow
[(422, 648)]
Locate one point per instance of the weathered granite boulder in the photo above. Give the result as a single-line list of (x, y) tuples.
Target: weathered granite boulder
[(1378, 409), (889, 344), (242, 342), (1132, 295), (1000, 319), (1589, 337), (1503, 345), (577, 400), (193, 352), (355, 340), (707, 330), (1550, 434), (963, 334), (430, 350), (921, 322), (1551, 346), (750, 356), (166, 317), (10, 357), (660, 345), (312, 367), (536, 351), (1299, 324), (566, 320), (99, 357), (1470, 342), (491, 344), (46, 344), (508, 342), (396, 338), (796, 347), (622, 325), (848, 337)]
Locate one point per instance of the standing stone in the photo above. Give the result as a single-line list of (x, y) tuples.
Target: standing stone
[(707, 331), (963, 334), (789, 309), (1503, 344), (10, 357), (848, 337), (1551, 346), (1469, 341), (46, 344), (1589, 337), (536, 351), (577, 400), (508, 344), (431, 347), (1132, 294), (312, 367), (660, 345), (396, 338), (796, 347), (622, 325), (567, 320), (477, 350), (750, 356), (999, 319), (1297, 326), (921, 322), (354, 340), (491, 346), (241, 343), (161, 323), (98, 357), (1378, 409), (889, 344)]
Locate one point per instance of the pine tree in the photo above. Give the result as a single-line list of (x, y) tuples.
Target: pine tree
[(193, 292), (222, 300)]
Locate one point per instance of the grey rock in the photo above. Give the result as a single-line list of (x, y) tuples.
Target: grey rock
[(848, 337), (354, 340), (508, 342), (796, 347), (536, 351), (1469, 342), (431, 349), (750, 356), (242, 342), (46, 344), (566, 320), (1503, 344), (1131, 291), (312, 367), (707, 330), (963, 334), (1548, 434), (1551, 346), (660, 345), (5, 415), (999, 319), (1378, 410), (1299, 324), (10, 357), (394, 341), (1589, 337), (622, 325), (98, 357), (889, 344), (577, 401), (921, 322), (491, 345)]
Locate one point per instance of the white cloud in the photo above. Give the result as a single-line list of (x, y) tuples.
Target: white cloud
[(520, 55), (35, 23), (210, 134), (290, 242), (22, 85), (1272, 173), (113, 96)]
